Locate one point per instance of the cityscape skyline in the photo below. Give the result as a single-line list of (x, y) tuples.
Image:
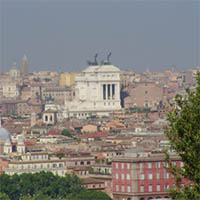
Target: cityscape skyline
[(62, 35)]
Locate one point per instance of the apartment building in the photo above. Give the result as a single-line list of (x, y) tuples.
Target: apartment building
[(36, 162), (142, 177)]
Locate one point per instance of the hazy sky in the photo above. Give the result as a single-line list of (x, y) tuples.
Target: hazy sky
[(60, 35)]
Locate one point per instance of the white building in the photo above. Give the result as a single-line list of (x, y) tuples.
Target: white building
[(10, 90), (97, 92), (14, 73)]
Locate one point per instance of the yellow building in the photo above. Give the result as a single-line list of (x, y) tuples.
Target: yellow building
[(67, 79)]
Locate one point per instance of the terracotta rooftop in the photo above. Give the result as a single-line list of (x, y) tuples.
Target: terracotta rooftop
[(96, 134)]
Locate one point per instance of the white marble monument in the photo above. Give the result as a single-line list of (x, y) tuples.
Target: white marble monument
[(97, 92)]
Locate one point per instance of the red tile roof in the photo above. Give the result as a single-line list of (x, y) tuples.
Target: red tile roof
[(96, 134)]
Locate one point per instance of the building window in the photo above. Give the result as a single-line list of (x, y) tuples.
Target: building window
[(158, 176), (128, 176), (166, 175), (158, 188), (123, 190), (117, 188), (141, 176), (82, 163), (158, 165), (60, 165), (128, 165), (122, 176), (166, 164), (128, 188), (116, 165), (166, 186), (122, 165), (150, 188), (149, 165), (141, 188), (54, 165), (117, 176), (150, 176)]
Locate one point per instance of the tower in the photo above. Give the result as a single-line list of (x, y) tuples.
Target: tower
[(25, 65)]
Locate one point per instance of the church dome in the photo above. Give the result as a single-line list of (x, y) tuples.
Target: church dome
[(4, 134)]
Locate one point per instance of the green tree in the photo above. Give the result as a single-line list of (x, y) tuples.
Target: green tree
[(60, 155), (37, 197), (39, 185), (45, 186), (183, 132), (66, 132), (4, 196), (89, 195)]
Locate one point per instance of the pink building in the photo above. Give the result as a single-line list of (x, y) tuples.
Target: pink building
[(142, 177)]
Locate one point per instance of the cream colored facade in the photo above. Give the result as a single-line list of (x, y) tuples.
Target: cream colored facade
[(49, 117), (15, 73), (36, 162), (97, 92), (10, 90), (67, 79)]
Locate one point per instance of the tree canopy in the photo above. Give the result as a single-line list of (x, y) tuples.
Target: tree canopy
[(184, 136), (66, 132), (45, 186), (89, 195)]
